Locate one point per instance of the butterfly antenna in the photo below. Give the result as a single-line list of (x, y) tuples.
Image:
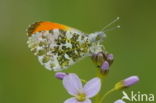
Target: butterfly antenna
[(115, 20), (113, 28)]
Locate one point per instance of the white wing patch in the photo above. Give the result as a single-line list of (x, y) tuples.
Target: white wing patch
[(58, 49)]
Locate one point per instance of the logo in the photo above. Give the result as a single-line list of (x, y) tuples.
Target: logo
[(138, 97)]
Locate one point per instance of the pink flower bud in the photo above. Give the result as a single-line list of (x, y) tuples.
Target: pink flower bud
[(105, 66), (60, 75), (130, 81), (127, 82)]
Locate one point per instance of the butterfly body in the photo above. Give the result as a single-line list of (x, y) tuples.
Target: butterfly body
[(58, 46)]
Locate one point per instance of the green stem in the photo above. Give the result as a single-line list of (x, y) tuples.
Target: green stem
[(102, 77), (106, 94)]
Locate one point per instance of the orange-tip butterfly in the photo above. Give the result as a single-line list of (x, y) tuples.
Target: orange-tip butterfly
[(58, 46)]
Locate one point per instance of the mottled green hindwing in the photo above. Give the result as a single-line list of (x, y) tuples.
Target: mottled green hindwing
[(58, 49)]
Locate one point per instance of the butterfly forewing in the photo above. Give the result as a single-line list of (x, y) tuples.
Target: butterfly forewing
[(58, 49)]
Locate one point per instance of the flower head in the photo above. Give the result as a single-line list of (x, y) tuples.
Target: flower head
[(103, 60), (80, 93)]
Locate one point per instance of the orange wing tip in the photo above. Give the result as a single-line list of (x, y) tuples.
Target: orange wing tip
[(43, 26)]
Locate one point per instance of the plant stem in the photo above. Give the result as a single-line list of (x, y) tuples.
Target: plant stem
[(102, 77), (107, 93)]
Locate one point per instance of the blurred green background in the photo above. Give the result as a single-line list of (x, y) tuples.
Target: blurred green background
[(24, 80)]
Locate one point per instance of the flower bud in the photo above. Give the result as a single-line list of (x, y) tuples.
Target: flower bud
[(105, 66), (60, 75), (120, 101), (127, 82), (99, 58), (130, 81), (110, 58)]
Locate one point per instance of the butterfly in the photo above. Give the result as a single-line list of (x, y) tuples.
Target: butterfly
[(59, 46)]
